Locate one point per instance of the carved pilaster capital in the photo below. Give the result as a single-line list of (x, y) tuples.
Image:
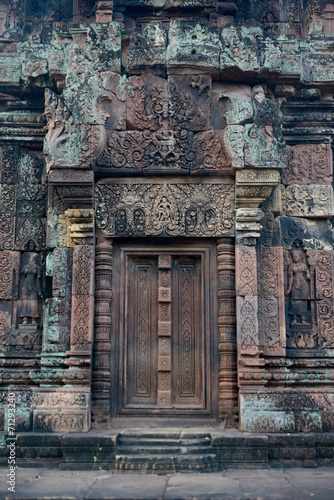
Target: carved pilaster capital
[(81, 225), (74, 186), (248, 225), (253, 187)]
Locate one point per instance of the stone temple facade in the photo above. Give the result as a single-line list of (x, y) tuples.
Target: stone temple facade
[(166, 246)]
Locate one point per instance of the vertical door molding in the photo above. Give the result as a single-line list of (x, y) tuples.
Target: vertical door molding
[(228, 388), (102, 345)]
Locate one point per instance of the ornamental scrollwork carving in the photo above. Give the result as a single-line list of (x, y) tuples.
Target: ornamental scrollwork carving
[(175, 208)]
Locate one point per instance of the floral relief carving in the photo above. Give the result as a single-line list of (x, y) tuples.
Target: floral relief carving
[(309, 201), (82, 297), (247, 325), (159, 209), (309, 164), (271, 301), (246, 268)]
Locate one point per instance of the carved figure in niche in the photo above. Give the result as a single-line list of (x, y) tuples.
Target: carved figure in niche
[(30, 284), (165, 210), (298, 288)]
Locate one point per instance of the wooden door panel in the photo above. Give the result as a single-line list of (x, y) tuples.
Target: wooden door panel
[(142, 323), (187, 333), (164, 353)]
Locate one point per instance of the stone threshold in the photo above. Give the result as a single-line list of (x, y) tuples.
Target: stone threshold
[(169, 450)]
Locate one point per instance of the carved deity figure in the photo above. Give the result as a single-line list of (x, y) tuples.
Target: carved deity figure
[(165, 210), (298, 289), (30, 284)]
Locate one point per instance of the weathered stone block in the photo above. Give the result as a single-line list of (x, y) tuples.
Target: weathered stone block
[(309, 201), (231, 105), (235, 143), (267, 421), (112, 107), (309, 164), (262, 151), (313, 234), (61, 410), (210, 153), (61, 421), (10, 69), (190, 102), (193, 47), (240, 50), (147, 50), (147, 103), (62, 271)]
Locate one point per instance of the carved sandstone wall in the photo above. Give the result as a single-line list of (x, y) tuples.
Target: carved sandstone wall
[(167, 119)]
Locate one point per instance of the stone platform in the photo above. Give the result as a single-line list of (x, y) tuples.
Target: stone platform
[(232, 484), (170, 450)]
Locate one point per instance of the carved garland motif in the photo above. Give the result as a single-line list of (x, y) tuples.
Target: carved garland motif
[(160, 209)]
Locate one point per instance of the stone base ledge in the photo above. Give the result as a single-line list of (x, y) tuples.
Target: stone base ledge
[(98, 449)]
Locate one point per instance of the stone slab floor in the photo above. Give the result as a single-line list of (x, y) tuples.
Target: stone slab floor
[(271, 484)]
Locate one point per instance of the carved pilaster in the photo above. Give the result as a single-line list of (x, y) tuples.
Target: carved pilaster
[(248, 230), (82, 299), (101, 366), (228, 390)]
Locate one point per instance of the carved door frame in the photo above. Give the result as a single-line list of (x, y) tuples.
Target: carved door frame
[(206, 250)]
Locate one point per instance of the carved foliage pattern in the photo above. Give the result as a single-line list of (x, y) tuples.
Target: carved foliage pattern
[(147, 103), (247, 324), (324, 294), (156, 209), (6, 275), (246, 262), (187, 330), (309, 164), (271, 301), (309, 201), (82, 300), (30, 216), (144, 151)]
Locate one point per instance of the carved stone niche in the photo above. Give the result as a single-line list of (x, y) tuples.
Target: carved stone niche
[(309, 311), (173, 207)]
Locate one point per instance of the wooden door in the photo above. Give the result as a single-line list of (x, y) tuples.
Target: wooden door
[(164, 353)]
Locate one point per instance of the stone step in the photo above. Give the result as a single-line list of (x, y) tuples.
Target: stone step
[(166, 463), (155, 433), (132, 441), (163, 450), (139, 449), (156, 441)]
